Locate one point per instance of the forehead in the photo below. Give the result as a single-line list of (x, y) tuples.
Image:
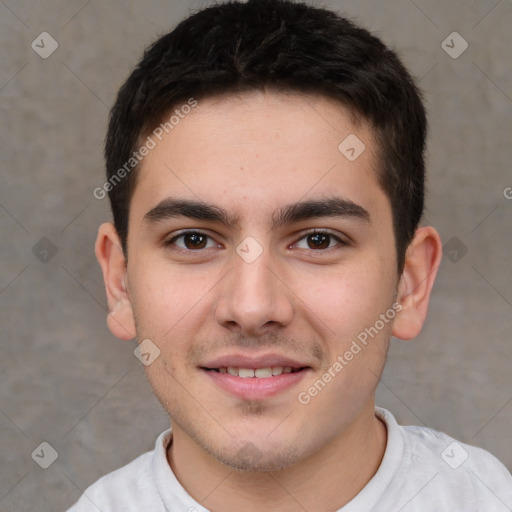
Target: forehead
[(259, 150)]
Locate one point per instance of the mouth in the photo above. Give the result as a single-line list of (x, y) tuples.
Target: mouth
[(257, 373), (255, 378)]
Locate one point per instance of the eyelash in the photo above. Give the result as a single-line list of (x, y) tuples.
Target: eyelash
[(171, 242)]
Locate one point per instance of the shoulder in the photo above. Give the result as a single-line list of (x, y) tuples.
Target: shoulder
[(427, 470), (453, 453), (460, 468), (127, 488)]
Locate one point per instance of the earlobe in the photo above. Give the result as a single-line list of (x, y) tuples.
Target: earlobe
[(111, 258), (421, 263)]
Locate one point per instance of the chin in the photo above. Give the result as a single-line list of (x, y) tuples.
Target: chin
[(250, 458)]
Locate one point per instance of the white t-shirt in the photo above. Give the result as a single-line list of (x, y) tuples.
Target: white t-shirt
[(422, 471)]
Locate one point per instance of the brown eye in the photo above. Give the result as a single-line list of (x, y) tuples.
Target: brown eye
[(318, 241), (192, 241)]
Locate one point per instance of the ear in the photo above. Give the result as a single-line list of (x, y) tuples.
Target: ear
[(111, 258), (422, 260)]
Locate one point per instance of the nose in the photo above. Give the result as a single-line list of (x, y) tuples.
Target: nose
[(253, 298)]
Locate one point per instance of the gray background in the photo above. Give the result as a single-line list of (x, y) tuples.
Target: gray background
[(67, 381)]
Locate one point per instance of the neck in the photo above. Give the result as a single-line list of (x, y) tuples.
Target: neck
[(325, 481)]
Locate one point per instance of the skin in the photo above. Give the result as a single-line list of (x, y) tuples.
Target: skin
[(251, 155)]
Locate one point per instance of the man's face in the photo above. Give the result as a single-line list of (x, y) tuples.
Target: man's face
[(264, 291)]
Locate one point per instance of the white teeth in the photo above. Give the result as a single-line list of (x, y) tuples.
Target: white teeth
[(260, 373), (263, 373)]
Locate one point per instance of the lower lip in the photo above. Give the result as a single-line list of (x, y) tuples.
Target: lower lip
[(254, 388)]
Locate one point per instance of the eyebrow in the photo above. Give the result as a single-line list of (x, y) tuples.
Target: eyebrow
[(330, 207)]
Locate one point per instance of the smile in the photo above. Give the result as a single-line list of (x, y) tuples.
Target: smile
[(255, 383), (259, 373)]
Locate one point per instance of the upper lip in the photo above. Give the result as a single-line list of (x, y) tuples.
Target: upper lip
[(255, 362)]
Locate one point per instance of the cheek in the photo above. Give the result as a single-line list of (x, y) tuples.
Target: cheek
[(167, 299), (345, 309), (349, 300)]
